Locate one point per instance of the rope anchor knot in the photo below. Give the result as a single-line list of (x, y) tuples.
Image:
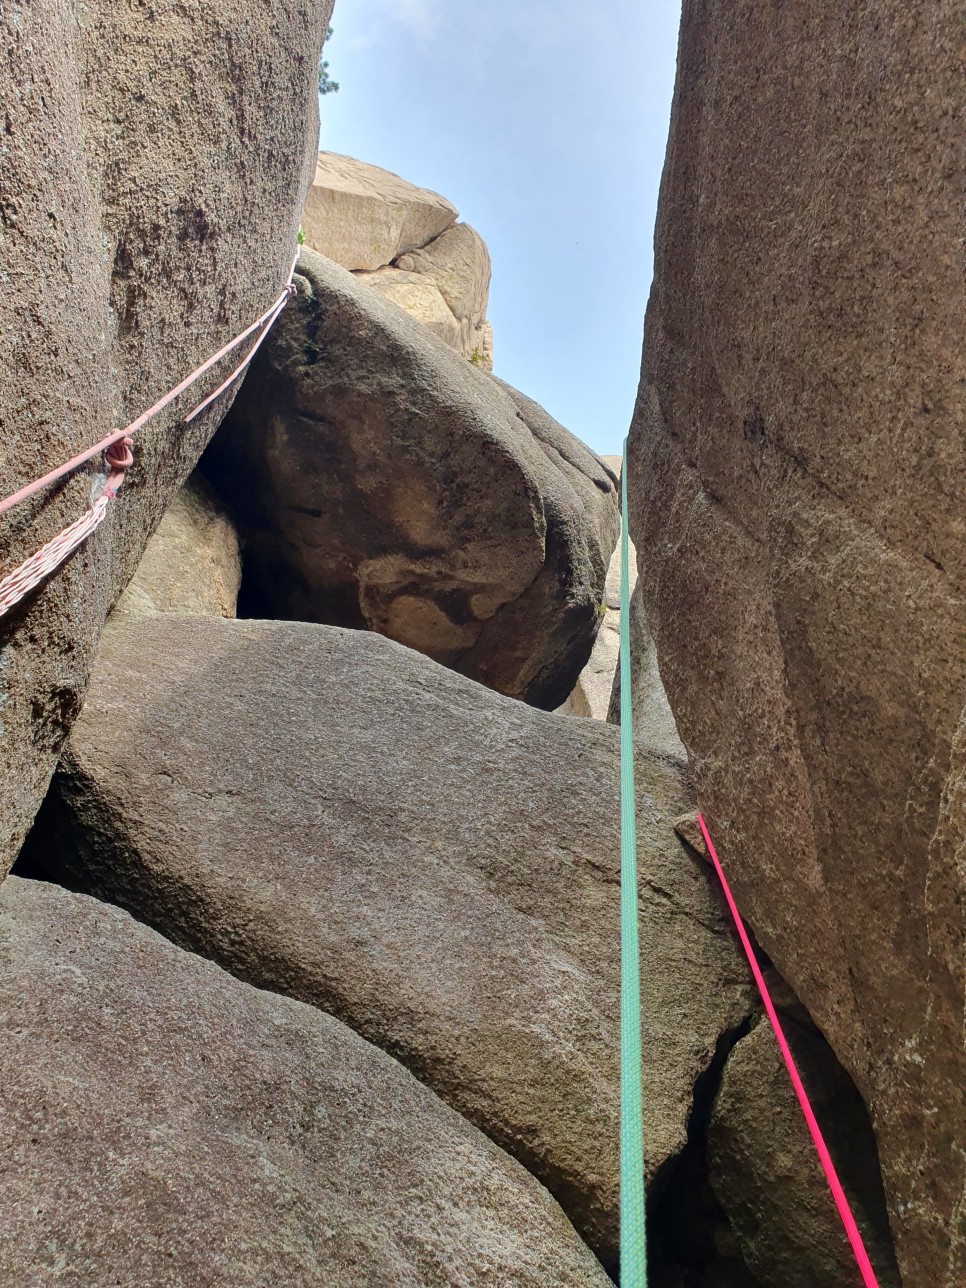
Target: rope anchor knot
[(118, 458), (119, 455)]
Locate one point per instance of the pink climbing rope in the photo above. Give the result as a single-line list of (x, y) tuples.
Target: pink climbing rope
[(117, 449), (32, 571), (835, 1185)]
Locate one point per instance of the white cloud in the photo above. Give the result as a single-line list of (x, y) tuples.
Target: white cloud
[(418, 16), (376, 20)]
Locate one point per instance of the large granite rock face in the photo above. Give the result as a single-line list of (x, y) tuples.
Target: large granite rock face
[(192, 564), (334, 817), (162, 1123), (797, 476), (405, 243), (364, 217), (382, 482), (145, 219), (767, 1176), (445, 286), (651, 716)]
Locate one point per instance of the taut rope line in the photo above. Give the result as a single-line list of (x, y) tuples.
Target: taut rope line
[(818, 1140), (633, 1233), (116, 447), (633, 1247)]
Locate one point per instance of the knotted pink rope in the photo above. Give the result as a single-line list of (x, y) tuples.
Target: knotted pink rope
[(118, 456), (841, 1202), (32, 571)]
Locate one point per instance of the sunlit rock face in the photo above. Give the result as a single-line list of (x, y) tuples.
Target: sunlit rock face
[(404, 242), (797, 475), (383, 482), (363, 217), (192, 564)]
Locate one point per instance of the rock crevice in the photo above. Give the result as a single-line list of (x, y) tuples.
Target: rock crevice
[(454, 916), (814, 657)]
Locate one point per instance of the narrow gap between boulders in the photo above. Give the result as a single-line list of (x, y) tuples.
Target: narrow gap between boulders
[(688, 1232)]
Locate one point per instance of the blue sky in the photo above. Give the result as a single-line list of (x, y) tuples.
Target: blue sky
[(546, 126)]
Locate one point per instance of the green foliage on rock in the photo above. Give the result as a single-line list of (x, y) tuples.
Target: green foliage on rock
[(326, 84)]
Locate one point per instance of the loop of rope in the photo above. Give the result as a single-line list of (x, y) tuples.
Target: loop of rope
[(118, 457)]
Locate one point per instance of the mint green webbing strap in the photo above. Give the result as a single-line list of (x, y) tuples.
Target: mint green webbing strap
[(633, 1237)]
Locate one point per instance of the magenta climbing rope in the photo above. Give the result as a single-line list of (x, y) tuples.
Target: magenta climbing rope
[(835, 1185), (118, 456)]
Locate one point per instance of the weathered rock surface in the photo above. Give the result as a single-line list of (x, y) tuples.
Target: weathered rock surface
[(403, 241), (380, 481), (797, 477), (362, 216), (337, 818), (192, 564), (143, 222), (162, 1123), (767, 1177), (591, 695), (652, 718), (446, 287), (597, 693)]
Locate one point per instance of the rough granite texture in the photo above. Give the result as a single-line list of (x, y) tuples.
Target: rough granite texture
[(766, 1174), (651, 716), (446, 286), (382, 481), (162, 1123), (363, 217), (798, 474), (590, 697), (332, 816), (153, 162), (192, 564)]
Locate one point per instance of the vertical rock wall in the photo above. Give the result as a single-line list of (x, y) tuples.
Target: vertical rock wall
[(153, 162), (798, 476)]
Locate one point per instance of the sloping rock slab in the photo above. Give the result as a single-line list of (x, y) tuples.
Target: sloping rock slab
[(163, 1123), (382, 481), (363, 217), (153, 162), (798, 472), (337, 818)]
